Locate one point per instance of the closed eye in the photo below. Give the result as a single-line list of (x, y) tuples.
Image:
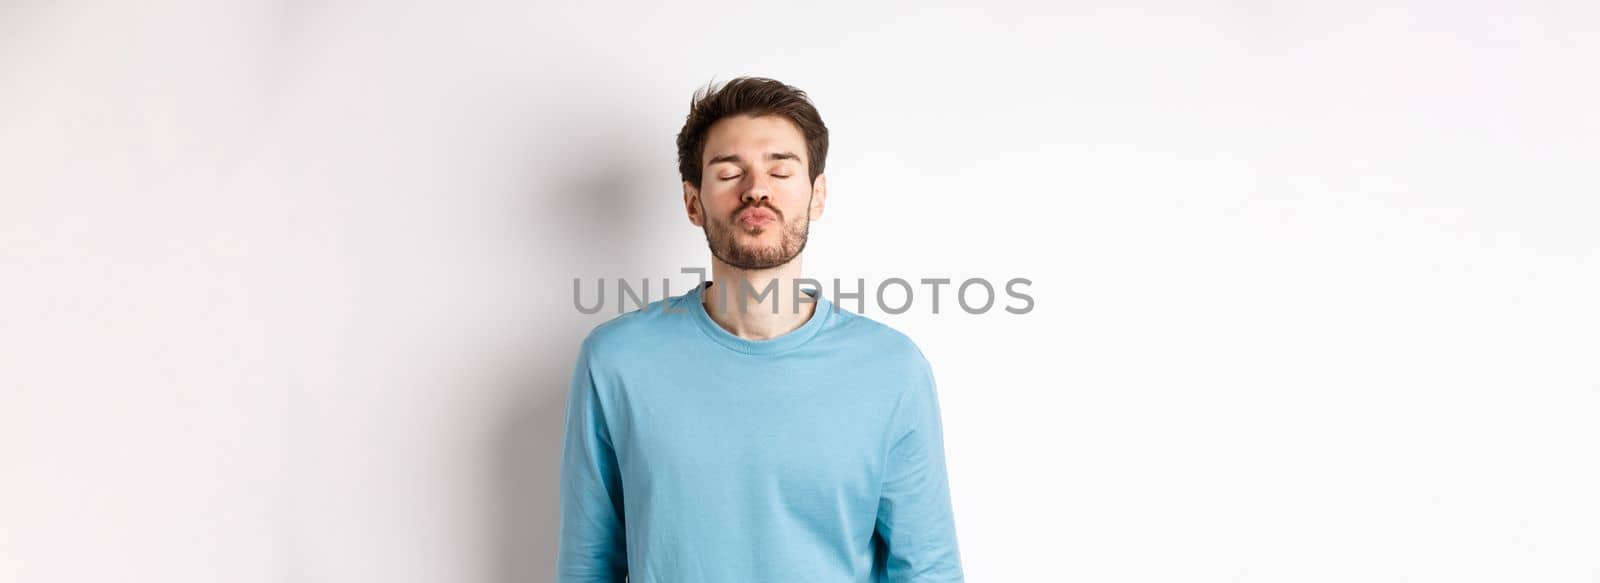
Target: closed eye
[(739, 175)]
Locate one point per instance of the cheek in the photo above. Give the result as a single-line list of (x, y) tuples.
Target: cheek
[(714, 199), (795, 199), (720, 193)]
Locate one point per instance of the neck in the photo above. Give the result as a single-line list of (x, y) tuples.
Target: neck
[(735, 300)]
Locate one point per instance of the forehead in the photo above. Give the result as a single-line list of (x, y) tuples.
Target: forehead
[(755, 136)]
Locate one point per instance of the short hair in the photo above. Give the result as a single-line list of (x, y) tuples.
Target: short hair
[(753, 96)]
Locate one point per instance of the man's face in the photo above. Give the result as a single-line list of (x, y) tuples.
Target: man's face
[(755, 200)]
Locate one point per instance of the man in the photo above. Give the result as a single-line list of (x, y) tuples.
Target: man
[(745, 431)]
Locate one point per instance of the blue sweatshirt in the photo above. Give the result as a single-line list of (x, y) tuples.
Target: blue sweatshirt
[(692, 455)]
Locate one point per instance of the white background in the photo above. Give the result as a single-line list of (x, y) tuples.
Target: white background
[(287, 285)]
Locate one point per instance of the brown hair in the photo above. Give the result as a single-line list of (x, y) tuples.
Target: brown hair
[(754, 96)]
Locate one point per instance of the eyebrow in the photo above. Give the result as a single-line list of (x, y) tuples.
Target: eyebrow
[(736, 158)]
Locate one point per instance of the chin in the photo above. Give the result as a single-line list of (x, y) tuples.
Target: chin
[(757, 249)]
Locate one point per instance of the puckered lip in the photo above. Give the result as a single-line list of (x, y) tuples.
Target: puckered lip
[(757, 215)]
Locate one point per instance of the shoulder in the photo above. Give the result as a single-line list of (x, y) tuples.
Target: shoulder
[(640, 329), (898, 369), (887, 345)]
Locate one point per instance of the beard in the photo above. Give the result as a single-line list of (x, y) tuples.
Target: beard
[(723, 238)]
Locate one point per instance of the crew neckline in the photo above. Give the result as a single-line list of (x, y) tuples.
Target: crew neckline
[(786, 341)]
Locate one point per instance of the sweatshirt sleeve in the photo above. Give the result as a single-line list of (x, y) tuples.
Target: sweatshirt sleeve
[(915, 519), (592, 546)]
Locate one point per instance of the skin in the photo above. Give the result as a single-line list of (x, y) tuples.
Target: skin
[(745, 165)]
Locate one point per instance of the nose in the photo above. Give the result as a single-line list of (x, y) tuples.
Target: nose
[(757, 193)]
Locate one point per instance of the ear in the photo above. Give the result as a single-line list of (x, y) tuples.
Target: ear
[(691, 204), (819, 196)]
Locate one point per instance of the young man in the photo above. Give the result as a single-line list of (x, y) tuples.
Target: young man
[(743, 432)]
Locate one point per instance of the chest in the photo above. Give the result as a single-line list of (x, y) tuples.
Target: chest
[(812, 429)]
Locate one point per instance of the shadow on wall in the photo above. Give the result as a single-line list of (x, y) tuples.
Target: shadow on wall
[(585, 218)]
